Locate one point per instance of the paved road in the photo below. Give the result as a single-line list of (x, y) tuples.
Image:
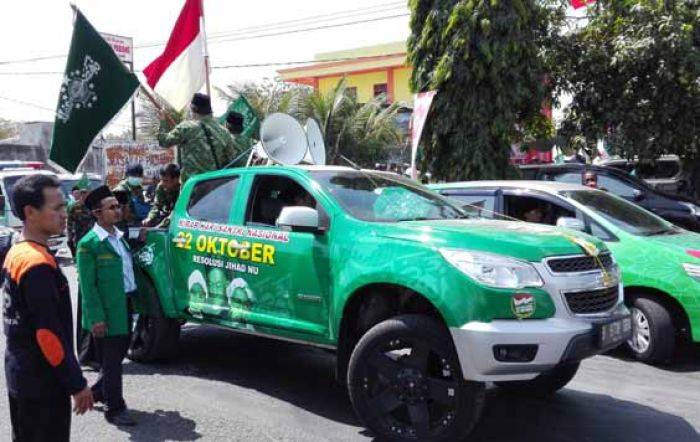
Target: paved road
[(225, 386)]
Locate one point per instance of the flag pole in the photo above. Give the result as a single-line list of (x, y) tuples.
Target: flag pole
[(158, 106), (206, 49)]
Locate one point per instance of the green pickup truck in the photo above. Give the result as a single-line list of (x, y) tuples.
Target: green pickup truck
[(421, 303)]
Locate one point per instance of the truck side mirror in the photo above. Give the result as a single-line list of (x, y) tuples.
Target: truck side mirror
[(571, 223), (299, 219), (637, 195)]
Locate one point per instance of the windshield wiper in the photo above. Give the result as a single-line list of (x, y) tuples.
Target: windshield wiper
[(661, 232), (417, 218)]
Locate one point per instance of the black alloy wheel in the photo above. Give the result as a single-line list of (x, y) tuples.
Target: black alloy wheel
[(406, 382)]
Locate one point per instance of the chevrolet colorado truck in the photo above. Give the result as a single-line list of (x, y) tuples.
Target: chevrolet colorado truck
[(421, 303)]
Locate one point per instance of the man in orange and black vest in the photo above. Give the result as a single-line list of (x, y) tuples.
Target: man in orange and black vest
[(41, 369)]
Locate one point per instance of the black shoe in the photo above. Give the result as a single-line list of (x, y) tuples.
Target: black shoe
[(122, 419)]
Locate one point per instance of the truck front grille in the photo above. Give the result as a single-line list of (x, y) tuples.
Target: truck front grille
[(593, 301), (580, 263)]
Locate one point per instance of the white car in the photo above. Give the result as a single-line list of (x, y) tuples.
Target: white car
[(8, 178)]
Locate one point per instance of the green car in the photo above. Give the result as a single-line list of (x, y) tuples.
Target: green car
[(660, 262), (421, 303)]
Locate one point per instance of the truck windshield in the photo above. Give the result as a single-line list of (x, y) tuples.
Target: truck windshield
[(383, 197), (625, 215)]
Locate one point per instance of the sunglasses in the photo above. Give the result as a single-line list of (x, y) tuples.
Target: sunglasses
[(112, 207)]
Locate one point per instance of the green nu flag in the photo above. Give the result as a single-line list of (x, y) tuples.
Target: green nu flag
[(96, 85), (251, 122)]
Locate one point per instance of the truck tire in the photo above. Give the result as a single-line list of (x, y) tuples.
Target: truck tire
[(653, 333), (405, 382), (154, 336), (545, 384)]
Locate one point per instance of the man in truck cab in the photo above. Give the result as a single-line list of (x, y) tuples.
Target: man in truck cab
[(106, 276)]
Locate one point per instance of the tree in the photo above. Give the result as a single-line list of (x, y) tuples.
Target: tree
[(358, 131), (488, 61), (148, 120), (267, 96), (7, 129), (634, 75)]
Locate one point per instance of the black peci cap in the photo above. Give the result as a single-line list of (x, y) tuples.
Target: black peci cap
[(201, 104), (94, 198)]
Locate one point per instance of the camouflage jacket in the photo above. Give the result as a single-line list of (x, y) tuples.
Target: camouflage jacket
[(163, 204), (202, 146), (80, 221)]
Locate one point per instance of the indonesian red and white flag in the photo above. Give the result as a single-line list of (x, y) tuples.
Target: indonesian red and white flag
[(180, 70), (580, 3)]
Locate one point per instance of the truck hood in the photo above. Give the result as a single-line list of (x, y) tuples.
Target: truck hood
[(681, 242), (527, 241)]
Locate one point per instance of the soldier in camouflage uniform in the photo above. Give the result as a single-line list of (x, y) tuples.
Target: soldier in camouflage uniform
[(167, 191), (79, 222), (202, 143), (137, 208)]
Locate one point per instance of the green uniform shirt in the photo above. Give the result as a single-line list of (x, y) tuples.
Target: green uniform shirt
[(80, 221), (100, 275), (197, 152), (163, 203)]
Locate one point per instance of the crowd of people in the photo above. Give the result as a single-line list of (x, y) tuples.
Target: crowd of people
[(42, 368)]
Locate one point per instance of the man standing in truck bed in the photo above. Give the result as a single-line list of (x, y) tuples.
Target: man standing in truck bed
[(202, 143)]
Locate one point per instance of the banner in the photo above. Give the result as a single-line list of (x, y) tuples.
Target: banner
[(251, 122), (421, 106), (117, 156), (95, 87)]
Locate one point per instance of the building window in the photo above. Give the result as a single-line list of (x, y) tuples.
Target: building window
[(380, 89), (351, 92)]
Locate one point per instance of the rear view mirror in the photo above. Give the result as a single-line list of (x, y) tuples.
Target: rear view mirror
[(571, 223), (299, 219)]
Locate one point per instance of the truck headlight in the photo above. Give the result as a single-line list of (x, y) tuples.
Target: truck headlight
[(693, 270), (494, 270)]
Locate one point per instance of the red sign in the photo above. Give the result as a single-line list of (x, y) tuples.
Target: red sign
[(123, 46), (580, 3)]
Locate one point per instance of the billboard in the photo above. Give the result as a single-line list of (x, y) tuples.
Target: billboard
[(118, 156), (123, 46)]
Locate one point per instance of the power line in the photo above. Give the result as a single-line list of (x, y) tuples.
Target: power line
[(28, 104), (316, 18), (230, 66), (281, 63), (53, 111), (224, 34), (296, 31)]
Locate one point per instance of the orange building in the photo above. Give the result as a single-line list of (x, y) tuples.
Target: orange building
[(370, 71)]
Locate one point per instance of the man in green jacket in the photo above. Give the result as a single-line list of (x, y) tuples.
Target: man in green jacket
[(106, 276), (202, 143)]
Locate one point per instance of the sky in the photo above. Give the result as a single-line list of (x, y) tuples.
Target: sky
[(38, 28)]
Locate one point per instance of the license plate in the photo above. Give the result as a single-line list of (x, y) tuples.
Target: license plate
[(615, 332)]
